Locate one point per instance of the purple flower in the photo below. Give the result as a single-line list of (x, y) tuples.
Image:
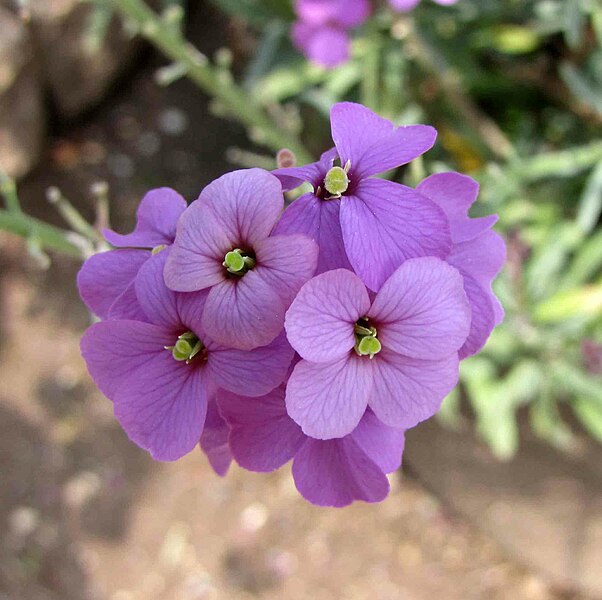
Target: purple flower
[(326, 472), (214, 440), (223, 244), (160, 373), (407, 5), (321, 31), (106, 280), (477, 252), (397, 354), (361, 222)]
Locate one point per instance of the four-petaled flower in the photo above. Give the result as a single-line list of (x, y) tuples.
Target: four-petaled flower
[(161, 373), (224, 244), (371, 225), (397, 354)]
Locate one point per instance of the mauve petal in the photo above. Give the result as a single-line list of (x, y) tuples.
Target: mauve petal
[(404, 5), (407, 390), (191, 306), (105, 276), (314, 173), (319, 219), (243, 313), (328, 399), (373, 144), (162, 407), (195, 260), (347, 13), (455, 194), (352, 13), (214, 440), (156, 220), (319, 323), (127, 306), (286, 262), (115, 349), (246, 203), (382, 444), (422, 310), (337, 472), (326, 45), (263, 437), (251, 373), (483, 318), (386, 223)]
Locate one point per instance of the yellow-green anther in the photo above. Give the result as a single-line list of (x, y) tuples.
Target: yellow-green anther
[(368, 346), (182, 350), (187, 346), (158, 248), (238, 263), (336, 181)]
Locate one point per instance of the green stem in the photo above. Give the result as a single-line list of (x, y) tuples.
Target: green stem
[(50, 237), (236, 100)]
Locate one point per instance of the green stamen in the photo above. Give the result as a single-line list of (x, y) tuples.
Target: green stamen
[(158, 249), (366, 342), (237, 262), (187, 346), (336, 181)]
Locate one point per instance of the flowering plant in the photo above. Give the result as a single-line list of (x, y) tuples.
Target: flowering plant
[(318, 333)]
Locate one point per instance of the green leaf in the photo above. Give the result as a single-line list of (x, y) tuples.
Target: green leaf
[(590, 205), (586, 263), (581, 302), (576, 382), (589, 414)]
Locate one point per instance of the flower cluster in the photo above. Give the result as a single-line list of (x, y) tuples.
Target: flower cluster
[(322, 28), (317, 333)]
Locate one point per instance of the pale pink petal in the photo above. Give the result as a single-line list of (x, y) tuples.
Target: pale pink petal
[(422, 310), (319, 323), (328, 399)]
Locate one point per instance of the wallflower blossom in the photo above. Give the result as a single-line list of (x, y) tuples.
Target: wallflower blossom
[(161, 373), (106, 280), (214, 440), (397, 354), (477, 252), (326, 472), (407, 5), (223, 244), (359, 221), (321, 32)]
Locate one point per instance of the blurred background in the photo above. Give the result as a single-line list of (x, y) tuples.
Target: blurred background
[(500, 497)]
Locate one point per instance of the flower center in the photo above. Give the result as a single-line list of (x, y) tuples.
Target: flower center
[(336, 181), (366, 341), (187, 347), (238, 262)]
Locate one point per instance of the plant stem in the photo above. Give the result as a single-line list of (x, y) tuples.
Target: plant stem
[(239, 103), (49, 236)]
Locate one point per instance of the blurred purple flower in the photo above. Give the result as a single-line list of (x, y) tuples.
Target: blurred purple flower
[(477, 252), (223, 244), (106, 280), (371, 225), (407, 5), (326, 472), (397, 354), (160, 373), (321, 31)]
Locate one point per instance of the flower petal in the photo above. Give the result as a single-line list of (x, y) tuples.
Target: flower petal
[(373, 144), (105, 276), (328, 399), (162, 407), (386, 223), (246, 203), (337, 472), (382, 444), (326, 45), (114, 349), (243, 313), (127, 306), (251, 373), (319, 323), (263, 437), (196, 257), (455, 194), (314, 173), (214, 440), (483, 317), (404, 5), (422, 310), (407, 390), (319, 219), (156, 220), (286, 262)]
